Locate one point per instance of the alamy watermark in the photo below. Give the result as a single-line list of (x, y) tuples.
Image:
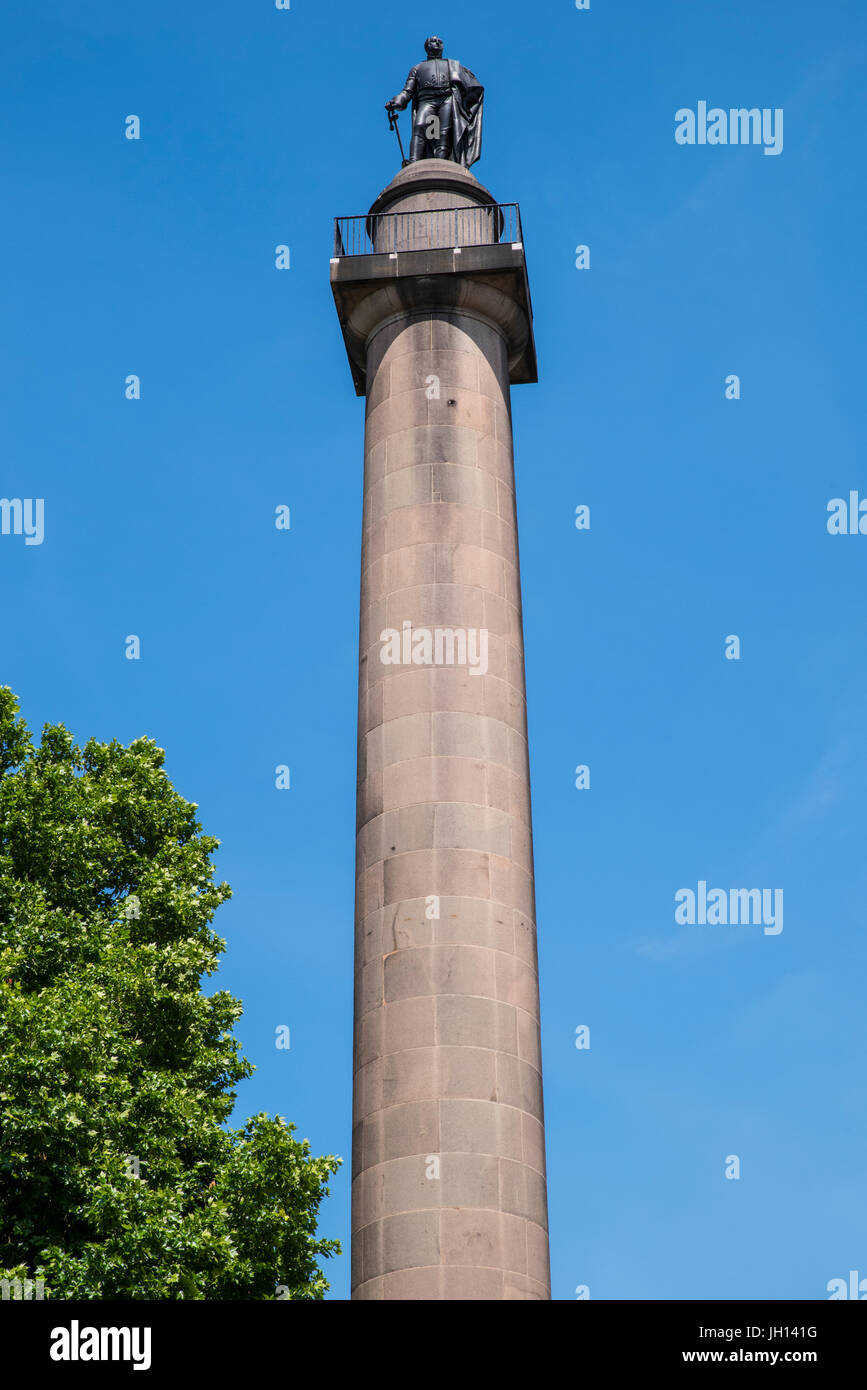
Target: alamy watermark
[(23, 516), (734, 907), (847, 518), (437, 646), (22, 1289), (77, 1343), (855, 1288), (737, 126)]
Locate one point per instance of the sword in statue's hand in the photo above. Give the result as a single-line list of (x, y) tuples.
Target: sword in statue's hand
[(392, 125)]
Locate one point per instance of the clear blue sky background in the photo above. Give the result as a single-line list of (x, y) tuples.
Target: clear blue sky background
[(708, 518)]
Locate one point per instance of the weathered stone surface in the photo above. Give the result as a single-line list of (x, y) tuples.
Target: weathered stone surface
[(448, 1146)]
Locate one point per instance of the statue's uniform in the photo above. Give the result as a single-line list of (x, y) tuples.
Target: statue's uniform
[(429, 88)]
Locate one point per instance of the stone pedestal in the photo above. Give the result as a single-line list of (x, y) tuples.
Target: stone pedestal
[(448, 1145)]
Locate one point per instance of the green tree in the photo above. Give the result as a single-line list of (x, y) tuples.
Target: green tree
[(119, 1177)]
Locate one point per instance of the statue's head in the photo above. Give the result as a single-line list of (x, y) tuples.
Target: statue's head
[(433, 47)]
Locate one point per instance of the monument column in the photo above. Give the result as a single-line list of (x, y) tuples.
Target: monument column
[(448, 1198)]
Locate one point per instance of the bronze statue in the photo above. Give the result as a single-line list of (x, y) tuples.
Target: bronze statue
[(447, 104)]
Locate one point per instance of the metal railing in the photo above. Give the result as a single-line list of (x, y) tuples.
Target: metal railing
[(427, 229)]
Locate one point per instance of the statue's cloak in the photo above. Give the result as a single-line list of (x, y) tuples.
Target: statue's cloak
[(468, 98)]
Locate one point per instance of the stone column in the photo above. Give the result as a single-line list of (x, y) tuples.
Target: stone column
[(448, 1197)]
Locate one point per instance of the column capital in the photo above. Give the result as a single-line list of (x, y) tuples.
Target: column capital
[(433, 240)]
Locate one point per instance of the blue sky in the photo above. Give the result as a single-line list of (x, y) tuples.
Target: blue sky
[(708, 518)]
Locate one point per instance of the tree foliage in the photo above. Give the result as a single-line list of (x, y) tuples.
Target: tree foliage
[(119, 1175)]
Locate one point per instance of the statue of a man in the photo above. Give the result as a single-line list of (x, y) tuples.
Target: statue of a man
[(447, 104)]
